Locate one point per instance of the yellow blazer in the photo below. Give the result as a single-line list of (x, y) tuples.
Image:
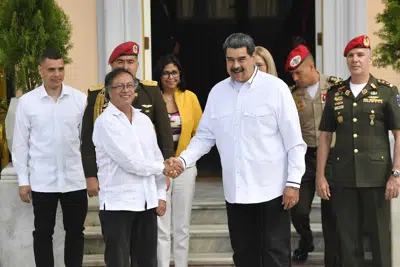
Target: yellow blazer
[(190, 112)]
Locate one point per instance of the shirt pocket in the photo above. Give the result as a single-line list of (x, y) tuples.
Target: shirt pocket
[(222, 122), (44, 169), (74, 170), (259, 119)]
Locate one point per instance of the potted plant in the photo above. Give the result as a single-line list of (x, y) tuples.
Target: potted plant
[(27, 28)]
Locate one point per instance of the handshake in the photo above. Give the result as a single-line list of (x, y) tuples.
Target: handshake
[(173, 167)]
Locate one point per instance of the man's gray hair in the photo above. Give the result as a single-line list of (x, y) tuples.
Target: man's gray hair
[(239, 40)]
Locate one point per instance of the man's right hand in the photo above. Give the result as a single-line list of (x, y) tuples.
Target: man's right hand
[(92, 184), (173, 167), (322, 187), (25, 193)]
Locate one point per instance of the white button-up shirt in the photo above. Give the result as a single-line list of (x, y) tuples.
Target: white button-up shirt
[(257, 132), (129, 160), (46, 141)]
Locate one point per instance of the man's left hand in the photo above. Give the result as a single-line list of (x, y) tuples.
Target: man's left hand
[(392, 188), (162, 207), (290, 197)]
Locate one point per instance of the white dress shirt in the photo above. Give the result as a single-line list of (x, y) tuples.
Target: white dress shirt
[(258, 136), (46, 142), (129, 160)]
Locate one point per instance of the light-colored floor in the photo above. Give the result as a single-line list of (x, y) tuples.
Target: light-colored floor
[(209, 190)]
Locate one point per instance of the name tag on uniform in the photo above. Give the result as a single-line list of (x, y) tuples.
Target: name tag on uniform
[(374, 101), (339, 107)]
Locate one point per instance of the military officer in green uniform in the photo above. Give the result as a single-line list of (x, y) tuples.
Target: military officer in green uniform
[(360, 111), (148, 99), (309, 94)]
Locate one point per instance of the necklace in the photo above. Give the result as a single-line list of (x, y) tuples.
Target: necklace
[(169, 98)]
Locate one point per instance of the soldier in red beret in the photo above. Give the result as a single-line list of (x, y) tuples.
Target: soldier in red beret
[(148, 99), (360, 111), (309, 94)]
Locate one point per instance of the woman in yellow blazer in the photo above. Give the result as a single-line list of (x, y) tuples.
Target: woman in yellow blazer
[(185, 112)]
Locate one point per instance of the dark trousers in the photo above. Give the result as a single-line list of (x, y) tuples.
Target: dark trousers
[(331, 234), (353, 207), (74, 208), (129, 235), (300, 214), (260, 234)]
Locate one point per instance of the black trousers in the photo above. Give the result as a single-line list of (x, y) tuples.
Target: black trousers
[(353, 207), (300, 213), (129, 235), (74, 208), (260, 234)]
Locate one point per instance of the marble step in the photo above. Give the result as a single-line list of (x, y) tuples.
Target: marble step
[(315, 259), (203, 212), (203, 239)]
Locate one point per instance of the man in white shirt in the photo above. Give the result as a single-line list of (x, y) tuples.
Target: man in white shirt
[(130, 173), (309, 94), (46, 156), (252, 118)]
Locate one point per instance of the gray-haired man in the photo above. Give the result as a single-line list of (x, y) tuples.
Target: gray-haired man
[(257, 132)]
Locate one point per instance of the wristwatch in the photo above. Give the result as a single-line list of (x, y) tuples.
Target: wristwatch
[(395, 173)]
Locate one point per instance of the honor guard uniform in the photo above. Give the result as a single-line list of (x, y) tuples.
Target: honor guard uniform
[(148, 99), (309, 94), (362, 162)]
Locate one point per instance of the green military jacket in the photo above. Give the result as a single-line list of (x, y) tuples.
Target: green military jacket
[(362, 151), (148, 99)]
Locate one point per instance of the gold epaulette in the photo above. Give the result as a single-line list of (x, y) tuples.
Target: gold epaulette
[(149, 83), (334, 79), (383, 82), (96, 87), (339, 84), (100, 104)]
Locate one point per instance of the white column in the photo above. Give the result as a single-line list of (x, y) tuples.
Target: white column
[(342, 21), (118, 21)]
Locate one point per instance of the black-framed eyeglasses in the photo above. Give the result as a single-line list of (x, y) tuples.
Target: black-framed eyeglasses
[(128, 86), (173, 74)]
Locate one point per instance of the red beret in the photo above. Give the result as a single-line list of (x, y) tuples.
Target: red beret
[(296, 57), (361, 41), (127, 48)]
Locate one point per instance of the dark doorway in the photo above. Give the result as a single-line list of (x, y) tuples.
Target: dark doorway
[(201, 26)]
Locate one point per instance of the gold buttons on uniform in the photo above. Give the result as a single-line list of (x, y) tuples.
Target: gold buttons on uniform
[(355, 104), (372, 111), (356, 150), (337, 158), (355, 135), (382, 157), (354, 119)]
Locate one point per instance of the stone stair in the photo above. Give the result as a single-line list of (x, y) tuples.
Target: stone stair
[(209, 236)]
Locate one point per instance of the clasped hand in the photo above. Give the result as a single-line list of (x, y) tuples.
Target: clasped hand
[(173, 167)]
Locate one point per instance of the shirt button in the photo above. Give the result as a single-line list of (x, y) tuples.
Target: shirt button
[(355, 119), (355, 104), (355, 135), (356, 150)]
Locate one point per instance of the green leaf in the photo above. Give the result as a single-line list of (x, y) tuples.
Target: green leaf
[(387, 53), (27, 28)]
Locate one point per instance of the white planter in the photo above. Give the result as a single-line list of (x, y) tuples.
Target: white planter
[(10, 119)]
